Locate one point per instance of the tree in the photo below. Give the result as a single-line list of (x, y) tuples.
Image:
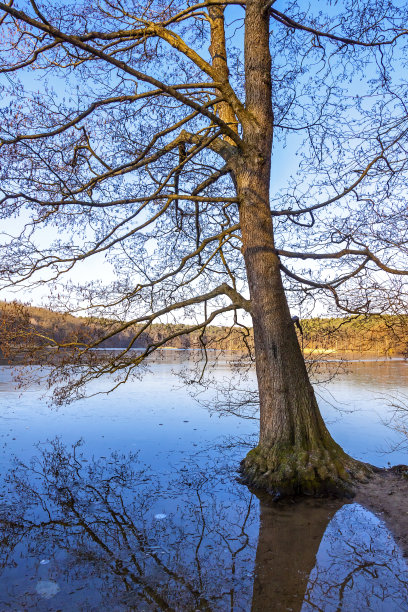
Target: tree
[(139, 145)]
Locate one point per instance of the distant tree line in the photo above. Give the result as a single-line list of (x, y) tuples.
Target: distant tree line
[(383, 335), (28, 328)]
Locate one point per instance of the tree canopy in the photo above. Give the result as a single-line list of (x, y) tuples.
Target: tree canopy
[(158, 137)]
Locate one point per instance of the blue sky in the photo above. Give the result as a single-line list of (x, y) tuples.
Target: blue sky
[(284, 164)]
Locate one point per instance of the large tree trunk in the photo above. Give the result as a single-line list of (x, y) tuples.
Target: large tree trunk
[(296, 453)]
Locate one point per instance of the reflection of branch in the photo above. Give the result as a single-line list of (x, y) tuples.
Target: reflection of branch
[(68, 494), (99, 516)]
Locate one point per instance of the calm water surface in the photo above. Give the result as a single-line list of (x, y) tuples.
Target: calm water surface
[(130, 502)]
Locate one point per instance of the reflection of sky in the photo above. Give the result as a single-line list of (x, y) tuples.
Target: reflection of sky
[(158, 416), (356, 558), (193, 486), (149, 415), (363, 397)]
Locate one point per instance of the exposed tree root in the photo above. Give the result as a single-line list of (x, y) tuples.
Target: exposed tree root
[(287, 472)]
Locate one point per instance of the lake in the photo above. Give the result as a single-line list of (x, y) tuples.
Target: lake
[(130, 501)]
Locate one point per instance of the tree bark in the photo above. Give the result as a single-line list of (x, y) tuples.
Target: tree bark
[(296, 453), (218, 52)]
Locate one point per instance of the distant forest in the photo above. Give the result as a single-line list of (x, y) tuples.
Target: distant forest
[(385, 335)]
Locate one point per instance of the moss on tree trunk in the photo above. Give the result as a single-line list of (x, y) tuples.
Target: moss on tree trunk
[(289, 471)]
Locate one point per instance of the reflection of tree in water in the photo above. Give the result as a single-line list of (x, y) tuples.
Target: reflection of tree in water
[(119, 550), (327, 557), (357, 568), (289, 539), (117, 539)]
